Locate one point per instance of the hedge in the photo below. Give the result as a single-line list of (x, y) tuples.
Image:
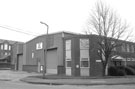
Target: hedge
[(120, 71)]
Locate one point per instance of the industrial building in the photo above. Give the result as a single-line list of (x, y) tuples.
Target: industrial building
[(68, 53)]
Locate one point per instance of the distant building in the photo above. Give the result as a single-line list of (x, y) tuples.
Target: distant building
[(70, 54), (17, 55), (6, 53)]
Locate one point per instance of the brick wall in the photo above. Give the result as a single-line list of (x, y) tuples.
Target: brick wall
[(30, 68)]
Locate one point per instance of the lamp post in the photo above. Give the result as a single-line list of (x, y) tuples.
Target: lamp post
[(45, 52)]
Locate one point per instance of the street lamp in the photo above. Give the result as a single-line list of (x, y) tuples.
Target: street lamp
[(45, 53), (46, 26)]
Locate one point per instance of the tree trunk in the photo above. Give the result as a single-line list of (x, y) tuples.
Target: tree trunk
[(105, 70)]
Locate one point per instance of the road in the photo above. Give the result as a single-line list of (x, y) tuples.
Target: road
[(14, 83), (22, 85)]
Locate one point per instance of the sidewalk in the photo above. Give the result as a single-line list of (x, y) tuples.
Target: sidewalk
[(9, 75), (79, 81)]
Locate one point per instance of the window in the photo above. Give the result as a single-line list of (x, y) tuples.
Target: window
[(84, 62), (9, 47), (68, 53), (68, 62), (68, 58), (32, 55), (128, 50), (1, 47), (123, 48), (39, 45), (128, 59), (133, 59), (84, 58), (84, 43), (132, 48), (68, 45), (5, 46), (84, 53), (113, 44)]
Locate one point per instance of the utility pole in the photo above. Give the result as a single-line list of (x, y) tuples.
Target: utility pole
[(45, 51)]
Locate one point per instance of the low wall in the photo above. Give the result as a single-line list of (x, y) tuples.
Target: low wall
[(34, 68), (61, 70), (12, 66), (30, 68), (5, 65)]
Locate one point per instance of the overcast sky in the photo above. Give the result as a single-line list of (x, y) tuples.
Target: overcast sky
[(60, 15)]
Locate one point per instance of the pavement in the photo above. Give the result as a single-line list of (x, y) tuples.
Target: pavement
[(36, 78), (9, 75)]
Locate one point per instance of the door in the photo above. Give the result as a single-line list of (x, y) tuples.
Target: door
[(52, 61), (19, 62), (39, 65)]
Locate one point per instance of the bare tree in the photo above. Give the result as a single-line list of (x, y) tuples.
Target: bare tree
[(110, 28)]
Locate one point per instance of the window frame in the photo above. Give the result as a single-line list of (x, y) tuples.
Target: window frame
[(67, 62), (123, 47), (132, 49), (68, 42), (84, 61), (32, 55), (5, 46), (39, 45), (84, 46), (2, 47), (127, 48), (68, 49), (9, 47)]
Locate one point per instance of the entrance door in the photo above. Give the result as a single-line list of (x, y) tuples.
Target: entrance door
[(19, 62), (39, 65), (51, 62)]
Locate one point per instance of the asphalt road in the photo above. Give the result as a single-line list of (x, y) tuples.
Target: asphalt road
[(14, 83), (22, 85)]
